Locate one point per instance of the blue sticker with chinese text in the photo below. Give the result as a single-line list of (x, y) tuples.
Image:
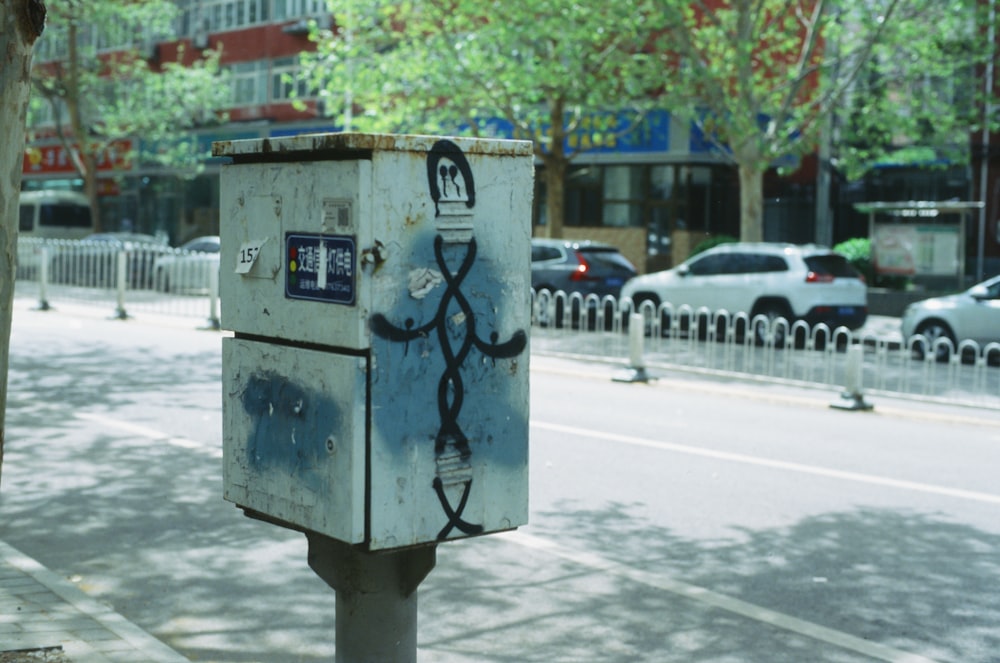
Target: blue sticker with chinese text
[(320, 268)]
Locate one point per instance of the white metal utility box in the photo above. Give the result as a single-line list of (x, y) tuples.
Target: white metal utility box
[(378, 288)]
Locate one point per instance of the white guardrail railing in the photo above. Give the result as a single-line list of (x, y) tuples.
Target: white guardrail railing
[(126, 277), (155, 279), (728, 344)]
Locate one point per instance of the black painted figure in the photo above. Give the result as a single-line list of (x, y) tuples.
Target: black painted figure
[(450, 440)]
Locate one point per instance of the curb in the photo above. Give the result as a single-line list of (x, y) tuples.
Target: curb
[(87, 630)]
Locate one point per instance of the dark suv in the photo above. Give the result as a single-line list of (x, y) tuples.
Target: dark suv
[(569, 267)]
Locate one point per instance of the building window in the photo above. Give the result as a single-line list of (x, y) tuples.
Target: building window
[(41, 113), (249, 82), (287, 81), (623, 196), (583, 197), (222, 15), (287, 9), (662, 198), (114, 37), (51, 46)]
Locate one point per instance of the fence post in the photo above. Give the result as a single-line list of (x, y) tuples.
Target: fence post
[(213, 299), (122, 273), (43, 279), (636, 371), (853, 398)]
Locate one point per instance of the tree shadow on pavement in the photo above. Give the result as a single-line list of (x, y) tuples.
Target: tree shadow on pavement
[(910, 581), (139, 523), (143, 527), (217, 586), (97, 375)]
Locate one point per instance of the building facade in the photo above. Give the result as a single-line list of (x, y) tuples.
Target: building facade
[(655, 193)]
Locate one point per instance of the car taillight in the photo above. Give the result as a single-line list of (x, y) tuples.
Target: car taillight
[(813, 277), (580, 273)]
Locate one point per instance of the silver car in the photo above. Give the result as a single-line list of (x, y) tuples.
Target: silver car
[(188, 268), (942, 323)]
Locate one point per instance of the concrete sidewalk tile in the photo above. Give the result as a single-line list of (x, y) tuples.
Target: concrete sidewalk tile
[(39, 609)]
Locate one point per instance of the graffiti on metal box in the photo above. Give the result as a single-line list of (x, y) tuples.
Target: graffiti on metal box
[(452, 189)]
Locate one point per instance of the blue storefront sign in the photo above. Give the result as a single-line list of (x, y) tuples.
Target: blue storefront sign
[(602, 132)]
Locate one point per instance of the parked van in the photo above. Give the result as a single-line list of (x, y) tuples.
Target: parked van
[(55, 214), (46, 215)]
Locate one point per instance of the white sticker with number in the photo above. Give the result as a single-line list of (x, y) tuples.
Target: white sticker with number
[(247, 255)]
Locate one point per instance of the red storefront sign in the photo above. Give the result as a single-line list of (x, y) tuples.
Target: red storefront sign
[(54, 160)]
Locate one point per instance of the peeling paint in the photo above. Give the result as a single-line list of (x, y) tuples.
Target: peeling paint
[(423, 280)]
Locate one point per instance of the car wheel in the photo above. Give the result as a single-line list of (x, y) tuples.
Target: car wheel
[(766, 328), (930, 332)]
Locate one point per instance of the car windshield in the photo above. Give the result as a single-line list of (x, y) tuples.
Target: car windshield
[(992, 287), (831, 265), (609, 257)]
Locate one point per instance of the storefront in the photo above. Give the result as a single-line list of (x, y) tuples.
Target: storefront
[(655, 192), (142, 197)]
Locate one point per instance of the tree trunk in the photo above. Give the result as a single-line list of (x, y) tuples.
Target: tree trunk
[(77, 147), (21, 21), (751, 203), (556, 165), (555, 196)]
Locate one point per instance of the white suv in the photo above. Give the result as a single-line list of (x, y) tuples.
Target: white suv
[(795, 282)]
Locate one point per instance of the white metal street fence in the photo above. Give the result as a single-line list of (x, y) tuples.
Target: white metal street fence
[(127, 278), (773, 350), (131, 280)]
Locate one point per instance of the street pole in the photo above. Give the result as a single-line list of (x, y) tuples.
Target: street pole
[(376, 618), (824, 226), (984, 164)]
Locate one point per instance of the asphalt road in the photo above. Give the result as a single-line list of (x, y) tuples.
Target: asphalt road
[(685, 520)]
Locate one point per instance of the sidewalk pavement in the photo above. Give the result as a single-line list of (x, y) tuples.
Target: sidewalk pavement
[(46, 619)]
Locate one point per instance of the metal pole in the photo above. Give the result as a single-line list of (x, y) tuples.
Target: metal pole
[(853, 397), (636, 348), (984, 163), (213, 298), (120, 313), (636, 334), (376, 598), (43, 279)]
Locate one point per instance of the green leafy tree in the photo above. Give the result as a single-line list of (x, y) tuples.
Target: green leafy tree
[(757, 78), (569, 75), (919, 93), (761, 79), (21, 23), (101, 88)]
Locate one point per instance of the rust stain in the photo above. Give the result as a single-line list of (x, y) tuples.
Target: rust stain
[(376, 255), (221, 147), (334, 142)]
